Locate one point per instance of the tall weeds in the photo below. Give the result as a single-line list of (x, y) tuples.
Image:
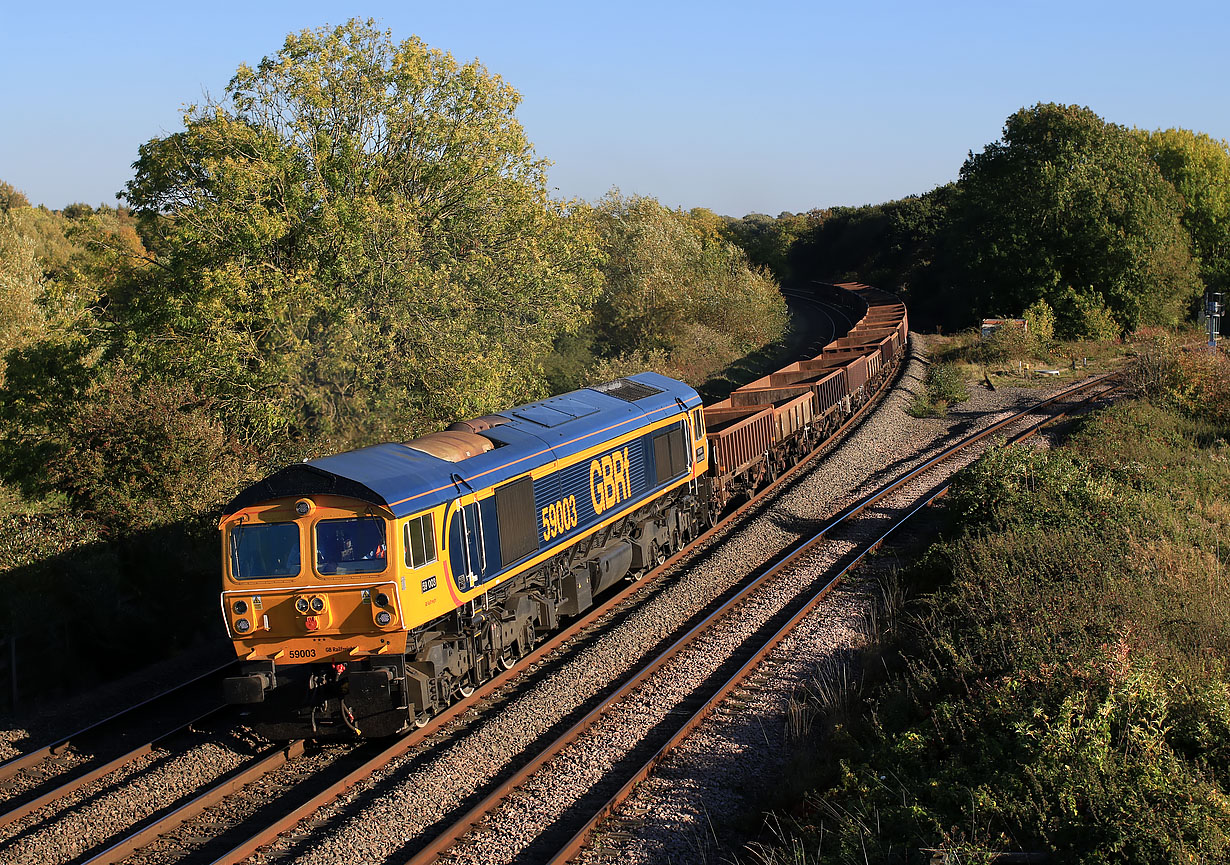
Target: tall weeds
[(1061, 686)]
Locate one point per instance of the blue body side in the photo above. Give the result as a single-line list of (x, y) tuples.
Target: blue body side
[(408, 481), (480, 559)]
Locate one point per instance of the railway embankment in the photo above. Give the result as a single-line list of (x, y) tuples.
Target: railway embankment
[(1050, 678)]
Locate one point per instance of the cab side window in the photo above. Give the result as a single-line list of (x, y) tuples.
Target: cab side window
[(698, 423), (420, 541)]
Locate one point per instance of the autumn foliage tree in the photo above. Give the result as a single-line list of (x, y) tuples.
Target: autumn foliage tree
[(355, 242)]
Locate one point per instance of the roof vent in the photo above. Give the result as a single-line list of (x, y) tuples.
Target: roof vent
[(451, 446), (626, 389), (478, 424)]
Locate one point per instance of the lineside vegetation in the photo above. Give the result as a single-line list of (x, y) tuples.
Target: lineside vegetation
[(1052, 677)]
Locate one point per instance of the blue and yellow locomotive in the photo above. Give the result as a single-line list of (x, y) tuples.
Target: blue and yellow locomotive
[(366, 590)]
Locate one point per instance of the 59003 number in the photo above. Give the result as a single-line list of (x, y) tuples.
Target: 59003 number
[(559, 517)]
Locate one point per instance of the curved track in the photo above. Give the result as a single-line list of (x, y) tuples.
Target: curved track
[(504, 814)]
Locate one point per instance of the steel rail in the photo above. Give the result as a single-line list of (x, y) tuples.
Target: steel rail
[(788, 559), (77, 781), (232, 782), (578, 841), (562, 638), (17, 764)]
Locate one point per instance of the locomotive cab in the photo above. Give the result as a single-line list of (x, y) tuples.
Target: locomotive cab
[(315, 601)]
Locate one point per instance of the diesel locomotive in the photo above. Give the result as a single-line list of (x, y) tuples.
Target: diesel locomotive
[(366, 591)]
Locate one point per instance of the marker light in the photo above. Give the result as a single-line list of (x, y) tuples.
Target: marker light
[(382, 600), (311, 623), (383, 618), (318, 605), (240, 607), (301, 605), (242, 625)]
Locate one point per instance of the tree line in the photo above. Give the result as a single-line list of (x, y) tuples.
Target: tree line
[(1111, 228), (355, 244)]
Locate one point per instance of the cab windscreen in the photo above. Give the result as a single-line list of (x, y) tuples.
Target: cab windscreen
[(350, 546), (264, 550)]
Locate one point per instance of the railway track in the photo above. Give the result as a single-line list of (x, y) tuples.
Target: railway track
[(581, 758), (296, 782), (42, 777)]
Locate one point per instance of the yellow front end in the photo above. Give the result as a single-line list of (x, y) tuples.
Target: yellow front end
[(347, 601)]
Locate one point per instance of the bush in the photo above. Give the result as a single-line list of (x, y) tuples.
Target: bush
[(1194, 382), (140, 454), (1041, 320), (1065, 688), (945, 385)]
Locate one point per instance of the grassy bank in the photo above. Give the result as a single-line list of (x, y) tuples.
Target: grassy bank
[(1059, 684)]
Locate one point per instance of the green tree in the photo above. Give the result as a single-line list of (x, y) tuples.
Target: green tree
[(767, 241), (674, 284), (1199, 167), (1069, 209), (355, 242)]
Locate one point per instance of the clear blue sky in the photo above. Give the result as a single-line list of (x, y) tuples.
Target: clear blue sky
[(739, 107)]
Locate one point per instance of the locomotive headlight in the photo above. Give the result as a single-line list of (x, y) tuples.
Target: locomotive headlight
[(383, 618), (318, 605), (303, 507), (242, 626), (382, 600), (301, 605), (240, 607)]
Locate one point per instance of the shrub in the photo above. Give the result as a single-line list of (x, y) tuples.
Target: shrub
[(945, 384), (1041, 320), (140, 454), (945, 381), (1064, 689), (1196, 383)]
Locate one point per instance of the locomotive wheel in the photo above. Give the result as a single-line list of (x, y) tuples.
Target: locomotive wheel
[(658, 554), (463, 689), (507, 660), (420, 720)]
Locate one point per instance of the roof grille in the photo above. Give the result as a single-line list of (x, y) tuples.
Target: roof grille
[(626, 389)]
